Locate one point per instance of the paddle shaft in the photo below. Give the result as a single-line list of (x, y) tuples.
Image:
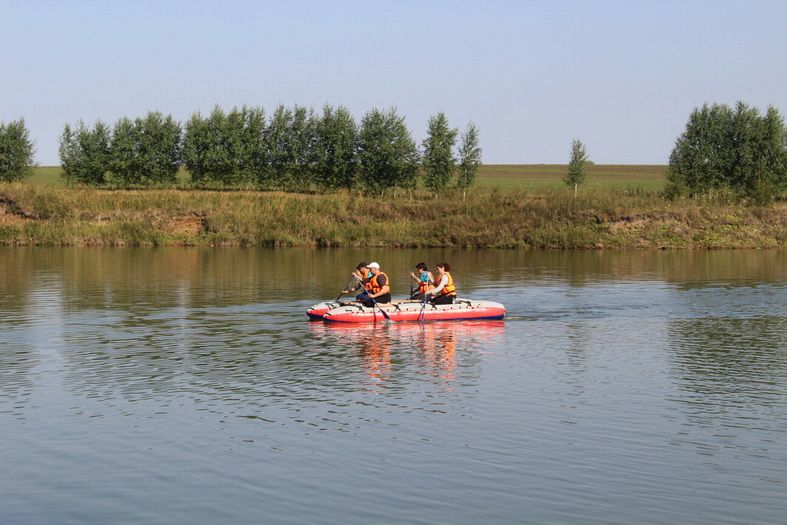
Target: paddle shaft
[(374, 303)]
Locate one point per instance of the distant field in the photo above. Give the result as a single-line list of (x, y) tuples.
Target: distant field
[(47, 175), (505, 176), (600, 176)]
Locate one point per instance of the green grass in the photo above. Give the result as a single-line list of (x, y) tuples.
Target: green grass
[(40, 214), (49, 175)]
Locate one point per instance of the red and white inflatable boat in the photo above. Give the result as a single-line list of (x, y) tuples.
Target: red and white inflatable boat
[(462, 309)]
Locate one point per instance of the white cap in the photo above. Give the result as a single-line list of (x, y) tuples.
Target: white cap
[(373, 265)]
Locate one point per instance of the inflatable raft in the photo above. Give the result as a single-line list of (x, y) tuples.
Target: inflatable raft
[(400, 311)]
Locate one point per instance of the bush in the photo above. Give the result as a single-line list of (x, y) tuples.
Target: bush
[(146, 151), (336, 148), (730, 148), (388, 157), (16, 151), (84, 153), (438, 160)]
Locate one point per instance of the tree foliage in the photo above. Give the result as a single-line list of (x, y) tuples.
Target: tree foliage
[(737, 149), (225, 148), (146, 151), (335, 152), (16, 151), (469, 158), (84, 153), (387, 154), (576, 165), (294, 150), (438, 161)]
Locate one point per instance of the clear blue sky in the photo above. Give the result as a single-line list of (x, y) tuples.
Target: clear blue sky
[(621, 76)]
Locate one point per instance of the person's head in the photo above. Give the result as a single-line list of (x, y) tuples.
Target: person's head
[(443, 267), (422, 267), (362, 267), (374, 268)]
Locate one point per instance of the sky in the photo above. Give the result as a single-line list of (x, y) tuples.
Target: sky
[(620, 76)]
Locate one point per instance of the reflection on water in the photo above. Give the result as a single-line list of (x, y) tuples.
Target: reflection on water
[(623, 387)]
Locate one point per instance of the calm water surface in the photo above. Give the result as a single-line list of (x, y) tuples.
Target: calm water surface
[(187, 386)]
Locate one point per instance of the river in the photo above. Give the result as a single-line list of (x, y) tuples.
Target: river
[(180, 385)]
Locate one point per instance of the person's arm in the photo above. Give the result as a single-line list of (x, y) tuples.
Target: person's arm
[(443, 283), (357, 279), (415, 278)]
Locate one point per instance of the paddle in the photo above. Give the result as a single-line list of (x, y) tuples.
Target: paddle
[(422, 315), (345, 288), (374, 303)]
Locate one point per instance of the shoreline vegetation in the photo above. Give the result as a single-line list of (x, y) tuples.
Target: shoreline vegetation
[(511, 207)]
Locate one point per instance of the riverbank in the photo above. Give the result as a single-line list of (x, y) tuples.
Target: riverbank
[(33, 214)]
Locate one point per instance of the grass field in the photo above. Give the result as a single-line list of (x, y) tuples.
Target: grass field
[(525, 177), (600, 176)]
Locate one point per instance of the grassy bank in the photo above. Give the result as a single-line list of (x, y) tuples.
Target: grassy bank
[(41, 214)]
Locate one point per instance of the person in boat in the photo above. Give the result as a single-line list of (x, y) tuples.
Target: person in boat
[(379, 289), (445, 291), (424, 280), (361, 277)]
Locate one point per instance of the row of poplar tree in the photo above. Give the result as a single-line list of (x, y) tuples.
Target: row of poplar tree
[(293, 149)]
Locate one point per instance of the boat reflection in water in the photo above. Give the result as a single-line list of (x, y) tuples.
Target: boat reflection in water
[(432, 348)]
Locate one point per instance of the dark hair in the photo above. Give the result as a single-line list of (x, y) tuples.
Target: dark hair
[(445, 266), (421, 266)]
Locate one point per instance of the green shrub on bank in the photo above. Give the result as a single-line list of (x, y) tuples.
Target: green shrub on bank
[(735, 149), (16, 151), (84, 153)]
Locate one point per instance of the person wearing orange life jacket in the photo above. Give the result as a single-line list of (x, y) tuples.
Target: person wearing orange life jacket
[(379, 289), (361, 277), (424, 280), (445, 291)]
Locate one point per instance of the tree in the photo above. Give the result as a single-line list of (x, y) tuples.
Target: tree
[(469, 159), (387, 154), (336, 148), (730, 148), (302, 144), (16, 151), (438, 153), (147, 150), (84, 153), (225, 148), (576, 166)]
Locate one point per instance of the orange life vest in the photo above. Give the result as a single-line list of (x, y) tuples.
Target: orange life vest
[(425, 286), (374, 287), (449, 288), (366, 283)]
